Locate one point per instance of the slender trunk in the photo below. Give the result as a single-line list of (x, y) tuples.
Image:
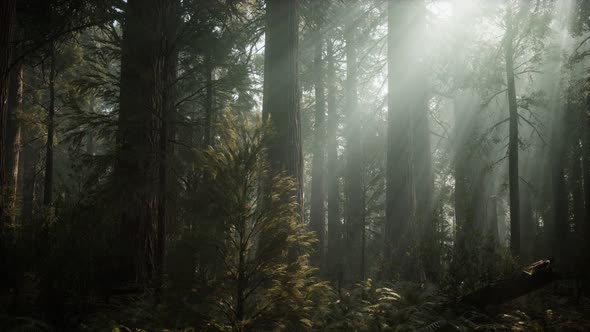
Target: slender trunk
[(209, 107), (528, 227), (317, 218), (513, 143), (7, 19), (13, 142), (493, 219), (558, 227), (334, 224), (281, 95), (585, 123), (463, 212), (48, 181), (399, 195), (354, 169), (241, 284), (29, 170), (577, 187), (90, 142), (586, 166)]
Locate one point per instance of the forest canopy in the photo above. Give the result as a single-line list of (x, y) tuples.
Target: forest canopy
[(294, 165)]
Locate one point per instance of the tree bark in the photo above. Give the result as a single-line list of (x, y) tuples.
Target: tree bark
[(558, 227), (586, 170), (400, 193), (147, 53), (334, 224), (576, 184), (48, 180), (354, 211), (13, 141), (281, 94), (209, 106), (513, 141), (317, 218), (7, 19)]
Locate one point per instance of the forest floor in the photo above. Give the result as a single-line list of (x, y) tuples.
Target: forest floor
[(543, 310), (558, 307)]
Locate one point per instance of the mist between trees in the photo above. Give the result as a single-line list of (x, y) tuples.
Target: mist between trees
[(296, 165)]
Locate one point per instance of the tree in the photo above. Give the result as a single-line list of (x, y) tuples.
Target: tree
[(147, 77), (333, 179), (12, 142), (355, 209), (317, 217), (258, 291), (400, 195), (513, 141), (280, 107), (8, 15), (50, 124)]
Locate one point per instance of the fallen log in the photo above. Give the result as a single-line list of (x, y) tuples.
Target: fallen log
[(533, 277)]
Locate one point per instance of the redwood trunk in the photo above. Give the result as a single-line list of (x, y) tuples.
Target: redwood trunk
[(400, 195), (317, 210), (7, 18), (513, 143), (333, 179), (281, 94), (354, 164), (48, 181), (13, 141)]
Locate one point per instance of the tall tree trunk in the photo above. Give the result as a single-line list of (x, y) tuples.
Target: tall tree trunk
[(400, 194), (171, 20), (513, 143), (7, 19), (585, 123), (90, 142), (281, 93), (577, 187), (209, 106), (493, 219), (317, 220), (13, 141), (354, 163), (29, 171), (50, 123), (146, 77), (528, 227), (464, 217), (558, 227), (334, 224)]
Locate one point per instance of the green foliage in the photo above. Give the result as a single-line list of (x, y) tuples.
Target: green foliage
[(263, 286)]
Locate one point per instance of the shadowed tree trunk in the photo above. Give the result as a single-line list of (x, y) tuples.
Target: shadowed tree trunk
[(7, 19), (400, 195), (334, 224), (513, 142), (528, 227), (558, 227), (577, 186), (281, 93), (354, 164), (585, 122), (50, 123), (317, 220), (28, 167), (167, 90), (147, 73), (209, 106), (13, 142)]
